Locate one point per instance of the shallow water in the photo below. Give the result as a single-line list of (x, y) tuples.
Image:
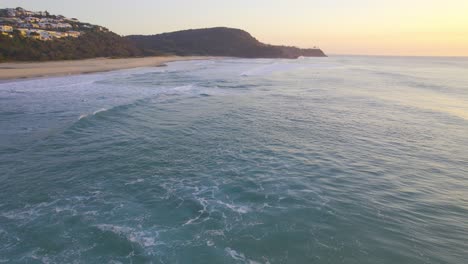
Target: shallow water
[(320, 160)]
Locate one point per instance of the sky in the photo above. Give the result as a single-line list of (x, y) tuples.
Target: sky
[(367, 27)]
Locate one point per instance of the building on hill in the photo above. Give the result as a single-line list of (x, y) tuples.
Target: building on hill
[(6, 28), (48, 25), (32, 19), (25, 25), (73, 34), (63, 25), (44, 25), (56, 34), (40, 25), (23, 31), (40, 34)]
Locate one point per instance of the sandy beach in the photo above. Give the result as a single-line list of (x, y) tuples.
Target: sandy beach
[(16, 70)]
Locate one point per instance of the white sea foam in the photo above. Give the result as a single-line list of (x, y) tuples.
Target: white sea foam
[(120, 230), (144, 239), (183, 89), (234, 254), (204, 203), (93, 213), (272, 68), (239, 256), (99, 111), (281, 67), (215, 232), (241, 209), (134, 182), (28, 214), (65, 209), (43, 259), (94, 113)]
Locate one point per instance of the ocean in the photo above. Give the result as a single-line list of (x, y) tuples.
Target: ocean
[(344, 159)]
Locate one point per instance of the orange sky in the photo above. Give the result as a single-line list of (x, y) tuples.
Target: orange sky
[(438, 28)]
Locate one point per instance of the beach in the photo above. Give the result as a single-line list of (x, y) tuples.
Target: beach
[(17, 70)]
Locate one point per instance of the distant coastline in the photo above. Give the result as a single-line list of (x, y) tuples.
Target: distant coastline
[(20, 70), (217, 41), (40, 36)]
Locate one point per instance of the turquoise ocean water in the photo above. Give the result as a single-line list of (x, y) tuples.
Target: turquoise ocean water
[(320, 160)]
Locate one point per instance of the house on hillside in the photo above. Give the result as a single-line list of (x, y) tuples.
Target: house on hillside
[(32, 19), (57, 34), (73, 34), (6, 28), (39, 34), (24, 25), (63, 25), (23, 31), (45, 35), (44, 25)]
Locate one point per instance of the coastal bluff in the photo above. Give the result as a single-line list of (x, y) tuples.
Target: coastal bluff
[(33, 36), (219, 41)]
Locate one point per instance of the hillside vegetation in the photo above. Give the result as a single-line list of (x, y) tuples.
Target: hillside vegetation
[(39, 36), (216, 42), (89, 45)]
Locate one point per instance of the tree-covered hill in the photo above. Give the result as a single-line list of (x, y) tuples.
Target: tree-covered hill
[(218, 41), (38, 35), (89, 45)]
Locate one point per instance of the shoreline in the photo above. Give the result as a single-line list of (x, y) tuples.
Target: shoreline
[(27, 70)]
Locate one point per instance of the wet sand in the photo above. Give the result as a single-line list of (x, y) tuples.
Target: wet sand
[(17, 70)]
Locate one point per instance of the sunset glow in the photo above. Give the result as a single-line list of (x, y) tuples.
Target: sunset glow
[(432, 27)]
